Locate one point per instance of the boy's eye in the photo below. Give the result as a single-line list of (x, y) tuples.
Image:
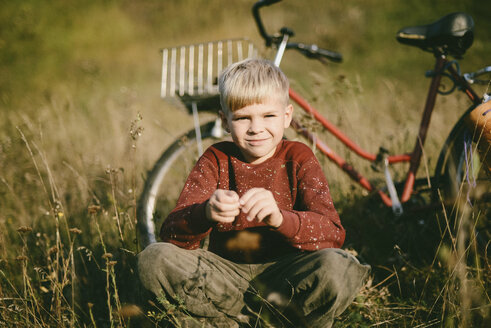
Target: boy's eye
[(271, 115)]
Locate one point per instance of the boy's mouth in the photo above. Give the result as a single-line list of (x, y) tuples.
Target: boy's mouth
[(255, 142)]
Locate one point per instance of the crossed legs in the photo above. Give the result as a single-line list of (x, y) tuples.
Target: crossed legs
[(297, 290)]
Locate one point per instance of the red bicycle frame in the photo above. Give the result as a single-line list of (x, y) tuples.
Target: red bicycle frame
[(414, 158)]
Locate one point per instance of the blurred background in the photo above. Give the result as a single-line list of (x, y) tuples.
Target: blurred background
[(82, 70)]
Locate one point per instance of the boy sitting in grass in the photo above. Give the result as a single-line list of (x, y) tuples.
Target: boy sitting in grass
[(274, 234)]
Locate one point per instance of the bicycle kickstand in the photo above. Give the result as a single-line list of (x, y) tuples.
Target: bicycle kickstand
[(396, 203)]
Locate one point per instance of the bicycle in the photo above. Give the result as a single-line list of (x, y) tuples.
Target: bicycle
[(190, 73)]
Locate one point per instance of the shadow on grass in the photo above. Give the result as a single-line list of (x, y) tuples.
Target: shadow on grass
[(418, 272)]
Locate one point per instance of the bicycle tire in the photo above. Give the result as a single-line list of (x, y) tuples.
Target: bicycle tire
[(464, 187), (170, 170)]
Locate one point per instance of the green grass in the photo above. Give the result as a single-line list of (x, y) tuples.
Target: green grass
[(75, 76)]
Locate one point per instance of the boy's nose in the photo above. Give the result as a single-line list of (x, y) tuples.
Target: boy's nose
[(256, 126)]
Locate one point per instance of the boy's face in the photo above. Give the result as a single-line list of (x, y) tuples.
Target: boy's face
[(257, 129)]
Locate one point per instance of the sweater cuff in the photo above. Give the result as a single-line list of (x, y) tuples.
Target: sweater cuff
[(198, 220), (290, 225)]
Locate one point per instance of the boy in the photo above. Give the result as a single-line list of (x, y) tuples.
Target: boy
[(264, 203)]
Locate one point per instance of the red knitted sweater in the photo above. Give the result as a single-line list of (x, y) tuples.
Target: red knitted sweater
[(292, 174)]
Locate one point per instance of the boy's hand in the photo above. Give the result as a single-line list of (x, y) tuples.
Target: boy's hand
[(223, 206), (259, 204)]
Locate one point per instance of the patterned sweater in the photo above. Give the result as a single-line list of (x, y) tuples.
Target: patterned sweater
[(292, 174)]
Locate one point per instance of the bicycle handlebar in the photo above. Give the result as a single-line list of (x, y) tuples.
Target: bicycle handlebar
[(259, 23), (314, 52), (308, 50), (472, 77)]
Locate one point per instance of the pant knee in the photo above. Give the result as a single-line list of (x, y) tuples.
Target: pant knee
[(333, 278), (191, 277), (342, 269), (153, 263)]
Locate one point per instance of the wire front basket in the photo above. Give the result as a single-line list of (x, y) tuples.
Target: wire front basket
[(191, 71)]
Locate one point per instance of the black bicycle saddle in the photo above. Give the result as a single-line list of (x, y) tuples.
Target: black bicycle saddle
[(453, 33)]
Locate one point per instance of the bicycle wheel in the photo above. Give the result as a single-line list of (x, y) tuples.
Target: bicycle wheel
[(166, 180), (464, 185)]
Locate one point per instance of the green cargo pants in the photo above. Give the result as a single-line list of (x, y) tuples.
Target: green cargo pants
[(304, 289)]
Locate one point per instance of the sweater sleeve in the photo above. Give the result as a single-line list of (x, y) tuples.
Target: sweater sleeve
[(314, 222), (187, 224)]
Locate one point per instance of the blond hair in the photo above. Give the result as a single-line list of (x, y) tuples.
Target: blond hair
[(251, 81)]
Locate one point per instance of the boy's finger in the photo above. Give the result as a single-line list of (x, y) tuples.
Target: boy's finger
[(225, 207), (232, 213), (263, 214), (248, 195), (228, 196), (254, 205), (260, 206), (232, 194), (225, 219), (253, 198)]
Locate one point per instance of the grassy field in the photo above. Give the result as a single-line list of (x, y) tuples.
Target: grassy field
[(82, 122)]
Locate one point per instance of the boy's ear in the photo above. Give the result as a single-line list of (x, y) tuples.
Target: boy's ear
[(223, 117), (288, 115)]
